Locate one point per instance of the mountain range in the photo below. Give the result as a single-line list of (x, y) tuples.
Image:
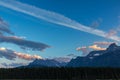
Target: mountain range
[(46, 63), (103, 58)]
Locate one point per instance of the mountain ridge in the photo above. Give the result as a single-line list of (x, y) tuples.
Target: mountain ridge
[(102, 58)]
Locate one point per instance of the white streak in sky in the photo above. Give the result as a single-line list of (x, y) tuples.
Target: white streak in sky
[(53, 18)]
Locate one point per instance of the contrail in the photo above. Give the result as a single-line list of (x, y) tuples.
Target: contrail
[(53, 18)]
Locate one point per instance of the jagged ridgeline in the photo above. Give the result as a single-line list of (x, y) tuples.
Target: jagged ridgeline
[(103, 58)]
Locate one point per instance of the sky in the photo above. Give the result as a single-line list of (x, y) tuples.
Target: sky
[(32, 29)]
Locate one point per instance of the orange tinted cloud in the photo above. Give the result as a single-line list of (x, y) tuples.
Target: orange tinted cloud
[(27, 56), (11, 55), (87, 49), (96, 47)]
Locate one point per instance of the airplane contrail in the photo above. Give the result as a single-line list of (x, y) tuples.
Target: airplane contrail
[(53, 17)]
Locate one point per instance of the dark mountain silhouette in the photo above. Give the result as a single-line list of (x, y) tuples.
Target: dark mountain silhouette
[(46, 63), (105, 58)]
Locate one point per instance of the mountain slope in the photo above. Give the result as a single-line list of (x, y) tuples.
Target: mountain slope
[(105, 58), (46, 63)]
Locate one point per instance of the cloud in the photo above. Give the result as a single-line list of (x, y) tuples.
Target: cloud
[(4, 27), (96, 23), (20, 41), (12, 65), (27, 56), (86, 49), (53, 18), (62, 59), (118, 28), (112, 33), (83, 49), (72, 55), (66, 58), (11, 55), (96, 47), (103, 43), (24, 43)]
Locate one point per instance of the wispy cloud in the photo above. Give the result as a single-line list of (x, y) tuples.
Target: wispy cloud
[(62, 59), (84, 50), (96, 23), (112, 33), (24, 44), (103, 43), (4, 27), (12, 65), (72, 55), (53, 17), (115, 30), (12, 55), (20, 41)]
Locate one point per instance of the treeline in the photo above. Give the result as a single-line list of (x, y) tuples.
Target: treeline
[(60, 73)]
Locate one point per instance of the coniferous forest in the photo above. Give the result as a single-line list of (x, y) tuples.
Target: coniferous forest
[(60, 73)]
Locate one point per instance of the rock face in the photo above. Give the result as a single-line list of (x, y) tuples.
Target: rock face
[(105, 58)]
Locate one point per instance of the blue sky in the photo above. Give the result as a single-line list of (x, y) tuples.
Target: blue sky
[(63, 40)]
